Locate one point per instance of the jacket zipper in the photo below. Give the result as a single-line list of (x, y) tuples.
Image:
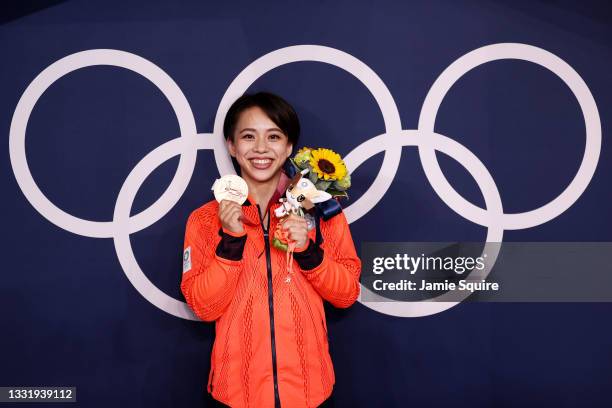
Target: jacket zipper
[(270, 305)]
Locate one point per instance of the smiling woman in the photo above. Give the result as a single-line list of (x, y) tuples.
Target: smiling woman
[(271, 346), (261, 130), (260, 148)]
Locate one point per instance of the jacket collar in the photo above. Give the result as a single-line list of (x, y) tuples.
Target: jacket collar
[(249, 205), (281, 187)]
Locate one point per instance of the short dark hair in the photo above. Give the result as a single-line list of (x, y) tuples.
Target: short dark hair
[(276, 108)]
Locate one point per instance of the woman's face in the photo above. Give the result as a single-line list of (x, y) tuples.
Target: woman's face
[(259, 146)]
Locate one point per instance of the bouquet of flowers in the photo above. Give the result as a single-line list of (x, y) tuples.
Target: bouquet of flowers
[(326, 170), (320, 175)]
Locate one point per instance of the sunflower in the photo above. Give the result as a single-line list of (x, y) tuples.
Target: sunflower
[(327, 164)]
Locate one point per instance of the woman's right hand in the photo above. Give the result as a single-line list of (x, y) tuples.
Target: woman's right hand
[(230, 214)]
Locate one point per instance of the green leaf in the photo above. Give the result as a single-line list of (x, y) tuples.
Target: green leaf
[(323, 185), (277, 243), (343, 184), (297, 167)]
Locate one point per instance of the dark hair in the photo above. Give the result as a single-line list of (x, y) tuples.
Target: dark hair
[(276, 108)]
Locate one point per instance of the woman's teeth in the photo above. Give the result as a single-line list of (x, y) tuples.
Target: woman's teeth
[(261, 163)]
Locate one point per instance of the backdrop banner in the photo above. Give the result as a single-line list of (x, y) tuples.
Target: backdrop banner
[(468, 128)]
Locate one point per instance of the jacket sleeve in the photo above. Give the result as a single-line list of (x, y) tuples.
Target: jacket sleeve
[(333, 268), (212, 261)]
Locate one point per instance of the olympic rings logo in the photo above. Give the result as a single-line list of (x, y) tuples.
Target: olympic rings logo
[(424, 138)]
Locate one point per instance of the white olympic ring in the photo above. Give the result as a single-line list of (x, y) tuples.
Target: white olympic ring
[(390, 142)]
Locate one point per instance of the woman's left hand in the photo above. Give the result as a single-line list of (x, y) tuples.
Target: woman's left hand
[(297, 229)]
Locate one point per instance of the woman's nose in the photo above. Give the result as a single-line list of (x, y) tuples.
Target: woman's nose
[(261, 145)]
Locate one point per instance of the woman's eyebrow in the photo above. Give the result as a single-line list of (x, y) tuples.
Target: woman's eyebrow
[(268, 130)]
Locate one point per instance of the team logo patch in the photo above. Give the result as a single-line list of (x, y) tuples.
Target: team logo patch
[(187, 259)]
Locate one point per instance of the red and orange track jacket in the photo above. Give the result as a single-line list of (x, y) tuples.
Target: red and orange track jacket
[(271, 345)]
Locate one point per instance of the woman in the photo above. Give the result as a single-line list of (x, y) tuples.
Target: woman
[(271, 345)]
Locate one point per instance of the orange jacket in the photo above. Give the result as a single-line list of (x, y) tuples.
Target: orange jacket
[(271, 345)]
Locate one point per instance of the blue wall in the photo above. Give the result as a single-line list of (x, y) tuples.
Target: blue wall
[(71, 317)]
